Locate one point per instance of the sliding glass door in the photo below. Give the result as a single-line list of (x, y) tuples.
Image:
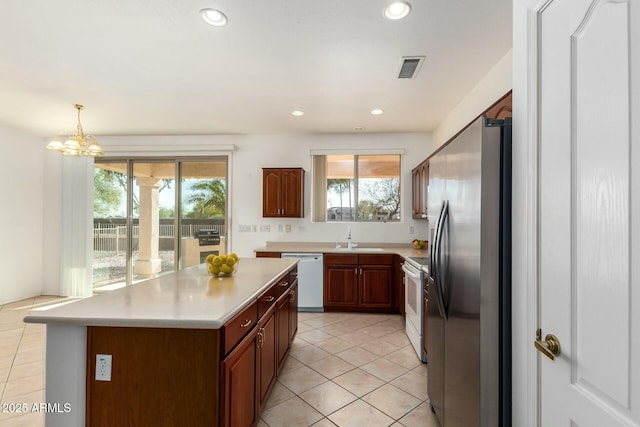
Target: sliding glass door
[(140, 231)]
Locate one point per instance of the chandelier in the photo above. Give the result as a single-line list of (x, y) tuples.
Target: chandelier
[(78, 143)]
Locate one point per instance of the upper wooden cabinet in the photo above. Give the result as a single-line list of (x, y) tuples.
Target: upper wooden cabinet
[(420, 183), (283, 192)]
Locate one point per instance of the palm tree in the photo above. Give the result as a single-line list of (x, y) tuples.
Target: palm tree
[(208, 198), (340, 185)]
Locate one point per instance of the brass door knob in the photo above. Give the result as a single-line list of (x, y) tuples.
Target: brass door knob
[(550, 346)]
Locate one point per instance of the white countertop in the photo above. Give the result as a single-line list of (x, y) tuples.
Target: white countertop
[(405, 250), (187, 299)]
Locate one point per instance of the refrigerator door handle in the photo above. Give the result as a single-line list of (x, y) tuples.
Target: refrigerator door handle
[(438, 277), (443, 283), (434, 246)]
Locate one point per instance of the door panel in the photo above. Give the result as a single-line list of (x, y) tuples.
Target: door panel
[(588, 191), (291, 192), (271, 192)]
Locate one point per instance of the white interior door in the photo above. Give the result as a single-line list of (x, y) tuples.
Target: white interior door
[(588, 108)]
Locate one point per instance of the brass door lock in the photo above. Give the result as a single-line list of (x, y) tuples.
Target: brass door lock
[(550, 346)]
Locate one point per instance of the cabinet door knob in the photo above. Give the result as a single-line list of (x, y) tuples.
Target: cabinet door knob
[(246, 323), (269, 298)]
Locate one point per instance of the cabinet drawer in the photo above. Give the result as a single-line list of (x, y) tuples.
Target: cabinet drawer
[(376, 259), (239, 325), (340, 259), (267, 299), (282, 284)]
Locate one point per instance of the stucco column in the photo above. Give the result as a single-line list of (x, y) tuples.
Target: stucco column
[(148, 261)]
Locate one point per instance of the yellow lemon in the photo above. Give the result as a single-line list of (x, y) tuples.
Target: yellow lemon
[(230, 262), (224, 268), (217, 261), (211, 268), (216, 270), (233, 255), (210, 258)]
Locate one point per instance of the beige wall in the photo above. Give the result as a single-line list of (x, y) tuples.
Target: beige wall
[(488, 90), (21, 216)]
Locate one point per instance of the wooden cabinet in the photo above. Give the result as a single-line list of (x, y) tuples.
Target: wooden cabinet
[(239, 397), (293, 310), (268, 255), (283, 192), (358, 282), (212, 377), (420, 184), (340, 281), (267, 363), (283, 311), (376, 284)]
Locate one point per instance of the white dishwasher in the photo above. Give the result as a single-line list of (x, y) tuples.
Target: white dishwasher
[(310, 280)]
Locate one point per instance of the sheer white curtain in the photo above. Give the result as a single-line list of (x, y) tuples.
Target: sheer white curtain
[(319, 188), (77, 227)]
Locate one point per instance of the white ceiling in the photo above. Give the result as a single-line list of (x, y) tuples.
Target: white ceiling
[(154, 67)]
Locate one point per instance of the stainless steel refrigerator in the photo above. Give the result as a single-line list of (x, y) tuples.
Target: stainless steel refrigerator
[(469, 283)]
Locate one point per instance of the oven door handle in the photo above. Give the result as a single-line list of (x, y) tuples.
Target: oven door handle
[(414, 274)]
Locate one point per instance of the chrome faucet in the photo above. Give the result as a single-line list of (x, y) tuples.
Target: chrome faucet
[(349, 239)]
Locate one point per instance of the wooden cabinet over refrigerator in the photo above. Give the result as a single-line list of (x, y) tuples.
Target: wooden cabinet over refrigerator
[(420, 183)]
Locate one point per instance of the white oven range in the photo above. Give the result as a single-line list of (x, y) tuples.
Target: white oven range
[(414, 280)]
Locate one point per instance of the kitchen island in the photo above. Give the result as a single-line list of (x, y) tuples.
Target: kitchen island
[(180, 349)]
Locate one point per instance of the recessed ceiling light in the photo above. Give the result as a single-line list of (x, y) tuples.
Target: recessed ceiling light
[(377, 112), (397, 10), (297, 113), (213, 17)]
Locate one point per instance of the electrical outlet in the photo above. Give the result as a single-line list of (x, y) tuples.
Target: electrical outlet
[(411, 229), (254, 228), (280, 228), (266, 228), (287, 228), (103, 367)]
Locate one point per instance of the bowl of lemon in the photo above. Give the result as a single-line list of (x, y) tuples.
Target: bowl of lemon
[(222, 265)]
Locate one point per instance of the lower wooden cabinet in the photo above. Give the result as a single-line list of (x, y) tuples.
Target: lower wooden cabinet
[(361, 282), (293, 310), (239, 379), (376, 284), (268, 255), (283, 312), (212, 377), (340, 285), (267, 363)]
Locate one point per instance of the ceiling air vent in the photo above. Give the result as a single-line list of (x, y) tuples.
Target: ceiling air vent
[(410, 66)]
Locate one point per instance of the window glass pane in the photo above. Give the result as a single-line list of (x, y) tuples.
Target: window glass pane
[(109, 225), (378, 188), (203, 209), (340, 188), (154, 207), (362, 187)]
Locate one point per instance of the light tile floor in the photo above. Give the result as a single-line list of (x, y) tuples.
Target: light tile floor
[(344, 369), (350, 369)]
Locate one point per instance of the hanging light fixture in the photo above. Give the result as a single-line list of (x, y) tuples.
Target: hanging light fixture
[(78, 143)]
